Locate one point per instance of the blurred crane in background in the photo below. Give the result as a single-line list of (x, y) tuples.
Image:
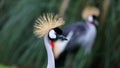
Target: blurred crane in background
[(84, 34)]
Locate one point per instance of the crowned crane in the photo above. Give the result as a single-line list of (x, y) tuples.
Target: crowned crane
[(48, 26), (84, 33)]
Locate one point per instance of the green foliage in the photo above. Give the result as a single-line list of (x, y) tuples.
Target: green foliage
[(4, 66), (19, 46)]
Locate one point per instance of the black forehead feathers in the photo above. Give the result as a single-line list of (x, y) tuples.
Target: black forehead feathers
[(58, 30)]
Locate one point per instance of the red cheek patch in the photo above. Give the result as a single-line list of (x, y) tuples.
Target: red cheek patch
[(52, 44), (92, 23)]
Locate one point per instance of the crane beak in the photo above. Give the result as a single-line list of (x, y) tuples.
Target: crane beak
[(62, 37), (96, 23)]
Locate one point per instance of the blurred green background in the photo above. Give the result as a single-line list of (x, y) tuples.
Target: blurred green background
[(19, 48)]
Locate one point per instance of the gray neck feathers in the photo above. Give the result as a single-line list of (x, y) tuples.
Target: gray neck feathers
[(51, 62)]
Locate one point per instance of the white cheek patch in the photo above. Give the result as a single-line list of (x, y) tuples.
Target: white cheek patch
[(52, 34), (90, 18)]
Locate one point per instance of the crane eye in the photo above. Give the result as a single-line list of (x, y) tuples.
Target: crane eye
[(52, 34)]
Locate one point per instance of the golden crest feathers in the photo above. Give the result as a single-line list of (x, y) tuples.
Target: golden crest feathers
[(46, 23), (90, 10)]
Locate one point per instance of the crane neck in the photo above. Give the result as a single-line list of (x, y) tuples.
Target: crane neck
[(51, 62)]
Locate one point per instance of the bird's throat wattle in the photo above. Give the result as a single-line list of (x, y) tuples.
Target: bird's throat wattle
[(92, 23), (52, 44)]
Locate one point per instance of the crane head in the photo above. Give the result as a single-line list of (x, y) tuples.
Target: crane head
[(93, 20), (55, 34), (90, 13)]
